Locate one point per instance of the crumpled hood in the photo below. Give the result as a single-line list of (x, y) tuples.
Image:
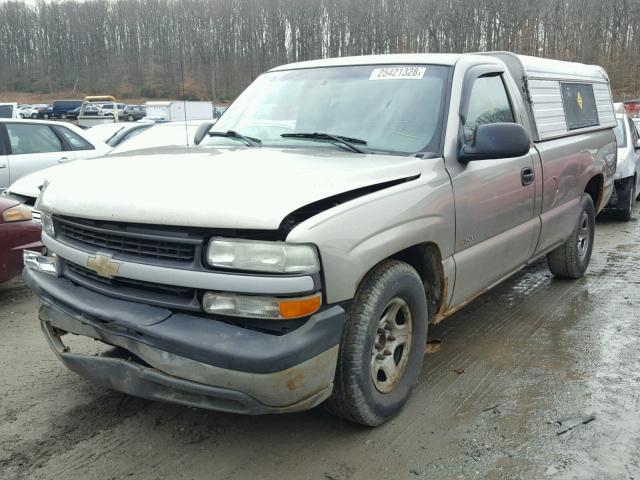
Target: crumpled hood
[(239, 188)]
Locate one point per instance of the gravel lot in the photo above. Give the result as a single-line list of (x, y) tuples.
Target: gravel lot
[(534, 351)]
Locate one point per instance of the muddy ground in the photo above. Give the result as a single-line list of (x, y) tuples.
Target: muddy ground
[(534, 351)]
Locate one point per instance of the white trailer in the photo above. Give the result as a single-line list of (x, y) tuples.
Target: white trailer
[(178, 110)]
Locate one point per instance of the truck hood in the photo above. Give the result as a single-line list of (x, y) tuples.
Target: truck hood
[(241, 188), (29, 185)]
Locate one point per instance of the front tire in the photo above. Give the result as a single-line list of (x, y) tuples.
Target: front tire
[(626, 214), (571, 260), (382, 346), (130, 118)]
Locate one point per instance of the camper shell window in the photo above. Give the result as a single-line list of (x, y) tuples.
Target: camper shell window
[(579, 105)]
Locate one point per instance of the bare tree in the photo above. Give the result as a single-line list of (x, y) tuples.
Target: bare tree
[(135, 47)]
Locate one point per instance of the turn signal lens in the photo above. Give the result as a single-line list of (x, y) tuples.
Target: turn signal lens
[(300, 307), (19, 213), (270, 308)]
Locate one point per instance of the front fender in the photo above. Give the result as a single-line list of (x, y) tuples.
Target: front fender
[(355, 236), (626, 164)]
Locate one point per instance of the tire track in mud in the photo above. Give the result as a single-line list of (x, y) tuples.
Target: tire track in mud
[(522, 346), (67, 429)]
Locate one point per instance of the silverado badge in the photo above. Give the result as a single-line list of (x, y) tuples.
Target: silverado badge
[(103, 265)]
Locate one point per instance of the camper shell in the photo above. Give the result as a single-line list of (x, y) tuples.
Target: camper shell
[(545, 86)]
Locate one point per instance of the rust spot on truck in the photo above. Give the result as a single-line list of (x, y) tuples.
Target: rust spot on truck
[(453, 310), (295, 382), (441, 313)]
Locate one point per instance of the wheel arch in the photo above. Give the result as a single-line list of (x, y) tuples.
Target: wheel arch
[(595, 189), (426, 259)]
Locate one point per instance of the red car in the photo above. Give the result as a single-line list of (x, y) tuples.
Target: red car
[(17, 233)]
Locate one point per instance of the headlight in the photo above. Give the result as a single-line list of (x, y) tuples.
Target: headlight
[(47, 224), (19, 213), (270, 308), (262, 256)]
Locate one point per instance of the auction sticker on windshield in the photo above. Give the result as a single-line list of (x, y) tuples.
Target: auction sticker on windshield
[(398, 73)]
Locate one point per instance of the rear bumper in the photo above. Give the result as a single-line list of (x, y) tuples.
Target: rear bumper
[(188, 359)]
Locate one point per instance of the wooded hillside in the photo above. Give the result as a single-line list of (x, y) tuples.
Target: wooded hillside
[(135, 47)]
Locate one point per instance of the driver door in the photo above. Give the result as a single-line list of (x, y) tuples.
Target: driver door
[(33, 147), (496, 225)]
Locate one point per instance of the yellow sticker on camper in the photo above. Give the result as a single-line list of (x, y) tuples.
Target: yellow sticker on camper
[(579, 100)]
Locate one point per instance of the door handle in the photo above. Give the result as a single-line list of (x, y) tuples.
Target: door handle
[(63, 159), (3, 165), (527, 175)]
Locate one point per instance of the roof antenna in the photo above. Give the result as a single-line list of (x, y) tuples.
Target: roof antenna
[(184, 98)]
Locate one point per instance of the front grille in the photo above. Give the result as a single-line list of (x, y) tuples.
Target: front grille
[(138, 244), (171, 296)]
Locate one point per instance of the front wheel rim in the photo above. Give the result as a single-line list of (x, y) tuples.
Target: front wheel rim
[(584, 236), (391, 345)]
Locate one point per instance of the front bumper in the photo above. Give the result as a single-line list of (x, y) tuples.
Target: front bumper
[(189, 359), (619, 194)]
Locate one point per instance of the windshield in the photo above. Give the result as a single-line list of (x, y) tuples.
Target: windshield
[(395, 109), (621, 136)]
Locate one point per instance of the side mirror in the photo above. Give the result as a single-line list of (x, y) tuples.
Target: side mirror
[(202, 132), (497, 140)]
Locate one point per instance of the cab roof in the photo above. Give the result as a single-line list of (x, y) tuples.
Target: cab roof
[(532, 67), (395, 58)]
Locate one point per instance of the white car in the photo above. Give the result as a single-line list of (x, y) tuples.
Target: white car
[(162, 135), (29, 111), (168, 134), (627, 176), (27, 146), (108, 109)]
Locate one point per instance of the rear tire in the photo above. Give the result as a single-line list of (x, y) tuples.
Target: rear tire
[(34, 116), (45, 116), (571, 260), (382, 345)]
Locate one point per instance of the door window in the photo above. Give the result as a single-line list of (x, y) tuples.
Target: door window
[(488, 103), (6, 111), (634, 133), (621, 134), (28, 138), (74, 140)]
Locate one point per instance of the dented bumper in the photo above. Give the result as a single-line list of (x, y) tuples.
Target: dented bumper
[(188, 359)]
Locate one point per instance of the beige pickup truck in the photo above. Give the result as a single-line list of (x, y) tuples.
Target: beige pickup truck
[(338, 207)]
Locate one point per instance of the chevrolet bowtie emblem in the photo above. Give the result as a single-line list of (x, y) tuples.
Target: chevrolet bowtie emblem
[(103, 265)]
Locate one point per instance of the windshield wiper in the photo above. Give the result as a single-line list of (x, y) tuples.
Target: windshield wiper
[(249, 141), (342, 140)]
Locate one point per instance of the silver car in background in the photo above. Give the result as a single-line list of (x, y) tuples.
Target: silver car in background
[(627, 176)]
